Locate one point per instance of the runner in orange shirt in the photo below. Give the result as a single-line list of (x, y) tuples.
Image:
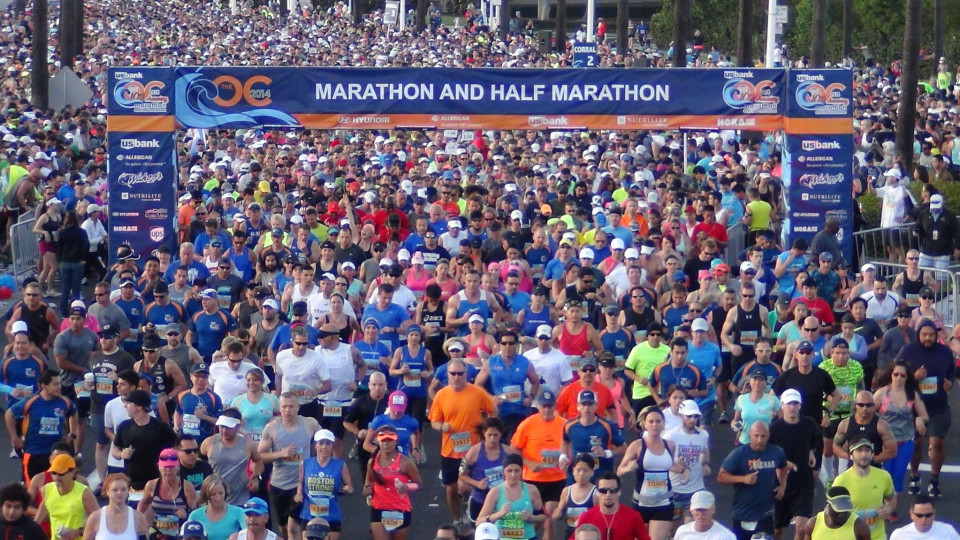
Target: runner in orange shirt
[(539, 439), (567, 402), (455, 413)]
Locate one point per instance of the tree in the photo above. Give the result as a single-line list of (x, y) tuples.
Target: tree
[(40, 72), (422, 6), (681, 32), (847, 45), (623, 25), (561, 29), (938, 28), (745, 34), (818, 33), (908, 83), (505, 18)]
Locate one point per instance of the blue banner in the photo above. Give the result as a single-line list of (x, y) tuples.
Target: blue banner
[(820, 93), (585, 55), (140, 91), (142, 187)]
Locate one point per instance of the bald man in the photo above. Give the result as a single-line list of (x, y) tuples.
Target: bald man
[(755, 471), (865, 422)]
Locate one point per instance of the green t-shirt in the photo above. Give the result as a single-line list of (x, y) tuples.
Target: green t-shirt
[(867, 495), (642, 360), (848, 380)]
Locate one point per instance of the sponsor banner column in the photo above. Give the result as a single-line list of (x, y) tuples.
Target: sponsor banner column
[(818, 158), (142, 164), (142, 190)]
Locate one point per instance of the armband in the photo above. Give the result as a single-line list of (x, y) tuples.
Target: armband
[(608, 453)]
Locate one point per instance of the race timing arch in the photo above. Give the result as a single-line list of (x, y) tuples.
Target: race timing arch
[(147, 105)]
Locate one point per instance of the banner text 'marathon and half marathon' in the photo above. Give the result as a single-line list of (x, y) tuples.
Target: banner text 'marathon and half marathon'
[(493, 92)]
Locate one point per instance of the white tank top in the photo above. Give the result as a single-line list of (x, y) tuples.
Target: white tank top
[(242, 535), (103, 533), (342, 371)]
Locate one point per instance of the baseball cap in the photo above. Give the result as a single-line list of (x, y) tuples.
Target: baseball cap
[(747, 266), (193, 529), (324, 435), (631, 253), (758, 371), (270, 303), (544, 330), (936, 202), (617, 243), (700, 325), (868, 267), (784, 300), (140, 398), (791, 395), (689, 407), (168, 455), (255, 507), (547, 398), (62, 463), (398, 401), (200, 367), (804, 345), (107, 331), (209, 294), (19, 327), (317, 530), (702, 500), (486, 531), (826, 257), (299, 308), (859, 442), (586, 396)]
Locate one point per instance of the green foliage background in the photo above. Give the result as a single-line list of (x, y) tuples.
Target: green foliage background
[(877, 23)]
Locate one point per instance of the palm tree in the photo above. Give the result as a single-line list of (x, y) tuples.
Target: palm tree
[(421, 15), (847, 45), (623, 23), (817, 33), (745, 34), (40, 72), (561, 30), (908, 83), (937, 28), (681, 31)]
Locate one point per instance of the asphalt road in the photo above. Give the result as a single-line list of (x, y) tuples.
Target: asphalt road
[(430, 510)]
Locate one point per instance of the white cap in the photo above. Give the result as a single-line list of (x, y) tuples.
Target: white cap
[(369, 197), (746, 265), (510, 188), (476, 317), (867, 266), (454, 224), (271, 303), (646, 250), (632, 253), (586, 253), (228, 421), (700, 325), (385, 262), (324, 435), (702, 500), (94, 208), (486, 531), (689, 407), (296, 219), (617, 243), (893, 173), (19, 327), (544, 330), (403, 255), (516, 214), (936, 202), (407, 186), (53, 201), (791, 395), (43, 156)]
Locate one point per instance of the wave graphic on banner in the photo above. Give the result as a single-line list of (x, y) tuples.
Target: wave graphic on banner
[(194, 97)]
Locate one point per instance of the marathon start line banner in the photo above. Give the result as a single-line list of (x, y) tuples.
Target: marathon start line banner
[(147, 105)]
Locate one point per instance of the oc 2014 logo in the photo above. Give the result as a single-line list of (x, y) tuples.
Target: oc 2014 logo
[(255, 91)]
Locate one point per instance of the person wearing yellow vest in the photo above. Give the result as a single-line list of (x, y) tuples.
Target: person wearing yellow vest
[(835, 522), (66, 502)]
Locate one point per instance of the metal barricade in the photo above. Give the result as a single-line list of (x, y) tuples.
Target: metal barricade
[(736, 242), (874, 244), (946, 290), (25, 249)]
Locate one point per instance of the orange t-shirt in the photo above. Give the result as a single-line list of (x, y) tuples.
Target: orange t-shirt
[(567, 400), (542, 441), (463, 410)]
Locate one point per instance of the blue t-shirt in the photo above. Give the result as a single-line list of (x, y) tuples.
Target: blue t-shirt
[(509, 382), (194, 270), (583, 438), (22, 373), (371, 355), (754, 502), (787, 281), (46, 421), (406, 426), (440, 375), (133, 309), (164, 315), (517, 301), (687, 377), (620, 343), (231, 522), (210, 330), (186, 405), (392, 317), (556, 268), (707, 360)]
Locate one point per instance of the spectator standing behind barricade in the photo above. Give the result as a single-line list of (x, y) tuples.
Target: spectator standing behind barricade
[(939, 234)]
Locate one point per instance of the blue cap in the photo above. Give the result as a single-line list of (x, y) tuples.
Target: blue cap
[(193, 528), (415, 328), (679, 276), (371, 322), (547, 398), (255, 507), (586, 396)]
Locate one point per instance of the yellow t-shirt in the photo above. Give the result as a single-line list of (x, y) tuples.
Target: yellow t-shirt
[(65, 510), (761, 211), (867, 494), (643, 360)]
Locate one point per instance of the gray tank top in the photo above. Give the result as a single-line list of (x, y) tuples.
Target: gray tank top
[(230, 463), (286, 471), (181, 357)]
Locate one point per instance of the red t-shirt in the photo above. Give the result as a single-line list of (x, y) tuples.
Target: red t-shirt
[(567, 400), (626, 524), (819, 308), (715, 230)]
